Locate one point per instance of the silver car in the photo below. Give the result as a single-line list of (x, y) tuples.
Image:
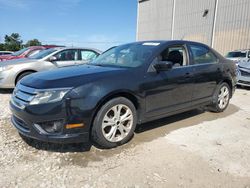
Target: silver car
[(5, 52), (239, 56), (14, 70), (244, 74)]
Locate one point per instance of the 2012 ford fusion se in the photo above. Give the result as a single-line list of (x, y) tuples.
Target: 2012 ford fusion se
[(104, 100)]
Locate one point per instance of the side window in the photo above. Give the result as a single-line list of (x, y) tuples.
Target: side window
[(34, 52), (88, 55), (202, 55), (175, 54), (67, 55)]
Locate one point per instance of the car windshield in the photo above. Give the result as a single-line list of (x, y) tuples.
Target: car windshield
[(236, 54), (127, 56), (19, 52), (43, 53)]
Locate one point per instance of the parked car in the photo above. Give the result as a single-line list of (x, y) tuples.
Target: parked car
[(125, 86), (5, 53), (239, 56), (26, 52), (14, 70), (244, 74)]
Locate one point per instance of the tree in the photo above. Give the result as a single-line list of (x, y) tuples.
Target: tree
[(2, 47), (13, 42), (33, 42)]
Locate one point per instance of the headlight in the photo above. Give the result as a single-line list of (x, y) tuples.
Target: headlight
[(48, 96), (4, 68)]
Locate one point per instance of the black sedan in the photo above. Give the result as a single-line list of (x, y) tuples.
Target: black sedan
[(127, 85)]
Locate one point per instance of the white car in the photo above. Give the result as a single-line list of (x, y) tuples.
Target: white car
[(238, 56), (244, 74), (5, 52)]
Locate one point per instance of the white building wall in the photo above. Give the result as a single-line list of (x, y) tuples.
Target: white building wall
[(226, 29)]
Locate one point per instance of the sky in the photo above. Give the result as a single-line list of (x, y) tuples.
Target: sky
[(84, 23)]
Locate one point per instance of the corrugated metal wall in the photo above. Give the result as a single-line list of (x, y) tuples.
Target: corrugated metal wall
[(155, 22), (189, 23), (232, 28), (231, 22)]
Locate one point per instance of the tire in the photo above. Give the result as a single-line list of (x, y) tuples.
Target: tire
[(114, 123), (221, 98), (23, 75)]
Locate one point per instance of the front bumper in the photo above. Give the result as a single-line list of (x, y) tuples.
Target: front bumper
[(7, 80), (27, 120), (243, 78), (62, 138)]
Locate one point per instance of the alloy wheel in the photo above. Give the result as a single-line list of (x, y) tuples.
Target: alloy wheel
[(117, 123), (223, 97)]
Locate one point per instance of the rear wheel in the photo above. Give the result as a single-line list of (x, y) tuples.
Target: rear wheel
[(114, 123), (221, 98)]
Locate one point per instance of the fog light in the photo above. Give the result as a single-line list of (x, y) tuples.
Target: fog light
[(52, 126)]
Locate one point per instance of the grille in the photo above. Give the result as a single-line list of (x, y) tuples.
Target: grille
[(244, 82), (20, 123), (244, 73), (22, 95)]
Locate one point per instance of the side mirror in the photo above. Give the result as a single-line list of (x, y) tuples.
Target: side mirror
[(163, 66), (52, 58)]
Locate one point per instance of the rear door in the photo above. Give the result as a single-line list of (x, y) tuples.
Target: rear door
[(66, 58), (207, 72)]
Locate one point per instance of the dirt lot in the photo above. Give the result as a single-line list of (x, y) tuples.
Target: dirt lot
[(193, 149)]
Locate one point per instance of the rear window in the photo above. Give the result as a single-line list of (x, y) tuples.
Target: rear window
[(20, 52), (202, 55), (236, 54)]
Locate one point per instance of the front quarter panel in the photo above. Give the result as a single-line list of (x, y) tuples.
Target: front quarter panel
[(84, 101)]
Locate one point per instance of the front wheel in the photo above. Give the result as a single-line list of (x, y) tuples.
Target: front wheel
[(114, 123), (23, 75), (221, 98)]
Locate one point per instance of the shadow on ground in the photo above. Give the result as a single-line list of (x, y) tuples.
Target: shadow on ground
[(62, 148), (6, 91), (144, 133)]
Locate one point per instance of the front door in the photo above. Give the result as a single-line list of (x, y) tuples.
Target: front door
[(171, 90), (66, 58)]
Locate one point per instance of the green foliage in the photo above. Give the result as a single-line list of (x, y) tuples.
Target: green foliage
[(2, 47), (13, 42), (33, 42)]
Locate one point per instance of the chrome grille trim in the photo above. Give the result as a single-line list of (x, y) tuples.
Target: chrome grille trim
[(22, 95), (26, 89)]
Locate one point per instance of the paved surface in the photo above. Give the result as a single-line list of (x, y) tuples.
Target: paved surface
[(193, 149)]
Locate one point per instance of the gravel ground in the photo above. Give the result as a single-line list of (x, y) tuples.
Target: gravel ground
[(193, 149)]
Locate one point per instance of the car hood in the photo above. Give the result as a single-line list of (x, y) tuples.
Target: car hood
[(245, 65), (16, 61), (9, 57), (234, 58), (69, 76)]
